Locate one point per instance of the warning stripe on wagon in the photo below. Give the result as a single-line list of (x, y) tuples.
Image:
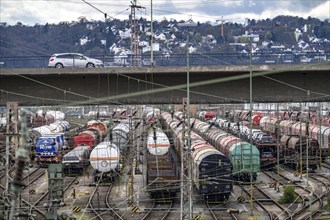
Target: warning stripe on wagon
[(158, 145), (104, 158)]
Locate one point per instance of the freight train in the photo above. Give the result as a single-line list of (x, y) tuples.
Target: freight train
[(92, 135), (241, 154), (265, 143), (33, 119), (47, 142), (205, 115), (46, 118), (211, 170), (292, 156), (163, 174), (277, 128), (313, 117), (120, 135), (105, 157), (77, 160), (49, 149), (293, 139)]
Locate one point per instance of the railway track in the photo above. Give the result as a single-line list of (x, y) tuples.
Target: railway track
[(325, 165), (307, 195), (219, 212), (32, 176), (2, 180), (40, 201), (25, 203), (325, 182), (159, 211), (274, 210), (100, 205)]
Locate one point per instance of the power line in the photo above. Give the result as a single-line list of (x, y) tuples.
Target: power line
[(33, 97)]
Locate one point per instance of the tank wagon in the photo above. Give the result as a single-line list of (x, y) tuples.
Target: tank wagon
[(29, 116), (212, 170), (91, 135), (104, 159), (237, 150), (205, 115), (120, 135), (76, 161), (157, 141), (120, 113), (46, 118), (293, 115), (98, 125)]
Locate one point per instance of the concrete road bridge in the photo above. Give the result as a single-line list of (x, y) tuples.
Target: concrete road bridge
[(162, 85)]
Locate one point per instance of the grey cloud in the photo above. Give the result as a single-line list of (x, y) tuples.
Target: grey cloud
[(253, 6)]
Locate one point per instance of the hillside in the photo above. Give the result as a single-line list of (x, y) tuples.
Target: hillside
[(97, 38)]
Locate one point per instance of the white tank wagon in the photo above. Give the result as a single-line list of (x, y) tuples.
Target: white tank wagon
[(59, 126), (120, 135), (58, 115), (157, 142), (104, 160)]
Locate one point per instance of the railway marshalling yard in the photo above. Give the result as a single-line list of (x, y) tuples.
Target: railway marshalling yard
[(86, 200), (127, 197)]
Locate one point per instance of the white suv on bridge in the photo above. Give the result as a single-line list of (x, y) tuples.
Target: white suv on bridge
[(61, 60)]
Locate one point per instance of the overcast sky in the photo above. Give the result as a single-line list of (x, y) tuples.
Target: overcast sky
[(30, 12)]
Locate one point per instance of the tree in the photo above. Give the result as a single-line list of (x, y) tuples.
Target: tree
[(304, 37), (289, 195), (198, 37), (268, 35), (19, 24), (110, 38)]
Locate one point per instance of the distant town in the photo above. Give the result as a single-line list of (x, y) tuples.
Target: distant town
[(284, 39)]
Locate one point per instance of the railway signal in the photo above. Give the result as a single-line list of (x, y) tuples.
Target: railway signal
[(55, 188)]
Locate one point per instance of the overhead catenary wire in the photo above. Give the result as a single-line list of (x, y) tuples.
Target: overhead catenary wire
[(34, 97), (184, 90), (104, 13), (53, 87)]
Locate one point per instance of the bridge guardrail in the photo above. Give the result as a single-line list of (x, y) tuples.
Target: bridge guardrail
[(179, 59)]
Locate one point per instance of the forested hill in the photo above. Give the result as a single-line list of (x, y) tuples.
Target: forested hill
[(98, 37)]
